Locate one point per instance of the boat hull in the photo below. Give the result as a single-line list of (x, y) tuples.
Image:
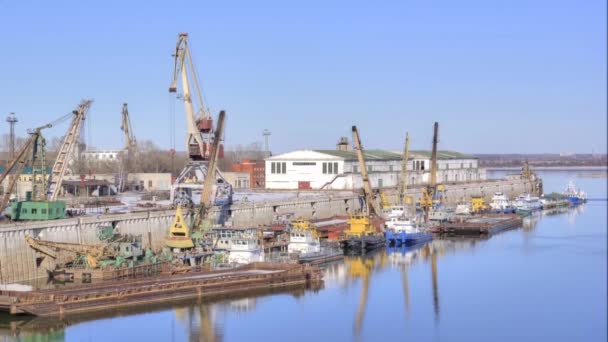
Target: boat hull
[(403, 238), (364, 243)]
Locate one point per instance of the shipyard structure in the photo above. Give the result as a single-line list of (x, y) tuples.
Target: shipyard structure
[(339, 169)]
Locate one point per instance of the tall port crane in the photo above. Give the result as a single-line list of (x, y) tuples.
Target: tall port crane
[(66, 151), (199, 129), (127, 129), (403, 179), (130, 147), (16, 166), (372, 208), (180, 235), (429, 192)]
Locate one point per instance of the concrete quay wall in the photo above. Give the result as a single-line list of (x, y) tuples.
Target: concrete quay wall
[(19, 262)]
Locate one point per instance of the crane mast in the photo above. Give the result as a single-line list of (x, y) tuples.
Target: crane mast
[(429, 192), (403, 183), (130, 147), (16, 166), (210, 178), (199, 130), (200, 133), (371, 205), (127, 129), (67, 149), (433, 182)]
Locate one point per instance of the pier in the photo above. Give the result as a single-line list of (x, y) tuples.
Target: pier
[(20, 263)]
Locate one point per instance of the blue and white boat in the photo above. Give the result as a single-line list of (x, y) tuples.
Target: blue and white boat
[(404, 230), (574, 195)]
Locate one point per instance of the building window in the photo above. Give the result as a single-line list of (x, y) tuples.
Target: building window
[(34, 211), (447, 166), (324, 168), (23, 211), (304, 163), (355, 169), (335, 168), (330, 168), (44, 211), (272, 168), (369, 168), (390, 168), (149, 184), (284, 167)]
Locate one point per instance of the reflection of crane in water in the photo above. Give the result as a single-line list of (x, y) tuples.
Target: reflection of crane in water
[(404, 258), (200, 328), (362, 267)]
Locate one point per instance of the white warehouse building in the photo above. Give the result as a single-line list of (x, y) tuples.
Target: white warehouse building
[(339, 169)]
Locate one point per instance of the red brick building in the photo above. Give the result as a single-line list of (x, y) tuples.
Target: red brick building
[(256, 170)]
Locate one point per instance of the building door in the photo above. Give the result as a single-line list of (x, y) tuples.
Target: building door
[(303, 185)]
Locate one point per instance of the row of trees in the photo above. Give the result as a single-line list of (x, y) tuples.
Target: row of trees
[(148, 157)]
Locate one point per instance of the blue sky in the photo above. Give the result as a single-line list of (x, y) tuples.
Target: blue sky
[(499, 76)]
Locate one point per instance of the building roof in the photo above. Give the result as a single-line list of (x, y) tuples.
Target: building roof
[(393, 155), (368, 155)]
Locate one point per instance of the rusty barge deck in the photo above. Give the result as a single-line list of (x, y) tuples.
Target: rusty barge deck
[(480, 225), (156, 290)]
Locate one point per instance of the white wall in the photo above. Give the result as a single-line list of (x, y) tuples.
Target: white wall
[(301, 171), (386, 173)]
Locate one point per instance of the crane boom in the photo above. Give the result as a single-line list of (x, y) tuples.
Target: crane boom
[(403, 183), (67, 149), (127, 129), (372, 206), (434, 155), (429, 192), (196, 142), (210, 178)]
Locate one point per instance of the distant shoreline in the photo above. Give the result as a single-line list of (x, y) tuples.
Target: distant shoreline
[(548, 168)]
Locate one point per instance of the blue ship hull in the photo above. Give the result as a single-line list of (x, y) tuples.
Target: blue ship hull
[(574, 199), (403, 238)]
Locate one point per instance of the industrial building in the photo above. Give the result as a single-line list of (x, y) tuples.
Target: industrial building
[(238, 180), (339, 169), (255, 169)]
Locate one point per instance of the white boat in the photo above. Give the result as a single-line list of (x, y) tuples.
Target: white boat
[(245, 249), (393, 211), (442, 214), (527, 203), (303, 241), (501, 204), (463, 209)]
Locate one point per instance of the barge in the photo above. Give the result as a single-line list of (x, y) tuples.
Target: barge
[(480, 225), (157, 290)]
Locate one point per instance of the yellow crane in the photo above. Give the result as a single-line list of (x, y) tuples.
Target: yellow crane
[(430, 191), (359, 223), (180, 234), (92, 253), (67, 149)]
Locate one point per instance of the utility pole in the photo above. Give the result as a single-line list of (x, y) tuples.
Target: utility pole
[(266, 133), (12, 120)]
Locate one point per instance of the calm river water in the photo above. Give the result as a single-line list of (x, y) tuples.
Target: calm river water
[(545, 281)]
